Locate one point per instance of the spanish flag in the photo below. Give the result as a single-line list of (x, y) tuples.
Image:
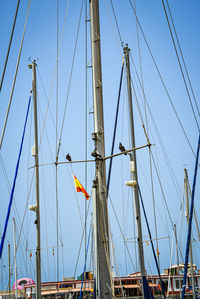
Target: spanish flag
[(158, 252), (79, 187)]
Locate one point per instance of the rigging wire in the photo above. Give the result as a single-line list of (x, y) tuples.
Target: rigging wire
[(162, 191), (44, 130), (121, 231), (14, 80), (9, 46), (158, 211), (153, 198), (46, 98), (181, 69), (115, 35), (52, 84), (16, 212), (81, 242), (145, 111), (27, 179), (171, 171), (162, 81), (179, 46), (80, 296), (52, 214), (181, 221), (116, 264), (70, 79), (91, 264), (141, 71), (124, 224), (121, 42), (153, 249), (50, 152), (45, 215), (54, 74)]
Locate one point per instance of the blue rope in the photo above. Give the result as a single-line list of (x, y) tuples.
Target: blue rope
[(190, 223), (15, 178), (85, 264), (147, 291), (153, 249), (115, 128)]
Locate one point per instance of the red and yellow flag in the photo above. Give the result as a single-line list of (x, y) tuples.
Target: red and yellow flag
[(158, 252), (79, 187)]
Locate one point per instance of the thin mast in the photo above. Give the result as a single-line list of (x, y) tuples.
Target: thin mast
[(15, 258), (37, 221), (101, 229), (134, 172), (187, 216), (177, 256), (9, 269)]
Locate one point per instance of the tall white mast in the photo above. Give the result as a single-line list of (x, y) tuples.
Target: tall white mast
[(36, 208), (134, 172), (101, 229)]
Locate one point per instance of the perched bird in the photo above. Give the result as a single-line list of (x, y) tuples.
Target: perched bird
[(68, 157), (95, 154), (122, 148)]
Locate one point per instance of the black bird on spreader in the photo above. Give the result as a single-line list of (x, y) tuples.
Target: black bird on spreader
[(122, 148), (68, 157)]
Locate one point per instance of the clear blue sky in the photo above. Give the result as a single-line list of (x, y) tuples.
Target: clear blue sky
[(40, 43)]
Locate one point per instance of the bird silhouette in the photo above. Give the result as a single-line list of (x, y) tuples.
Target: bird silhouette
[(68, 157), (122, 148)]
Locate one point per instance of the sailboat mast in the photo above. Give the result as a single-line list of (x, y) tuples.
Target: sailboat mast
[(134, 171), (179, 276), (101, 229), (9, 270), (15, 258), (37, 221), (187, 216)]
